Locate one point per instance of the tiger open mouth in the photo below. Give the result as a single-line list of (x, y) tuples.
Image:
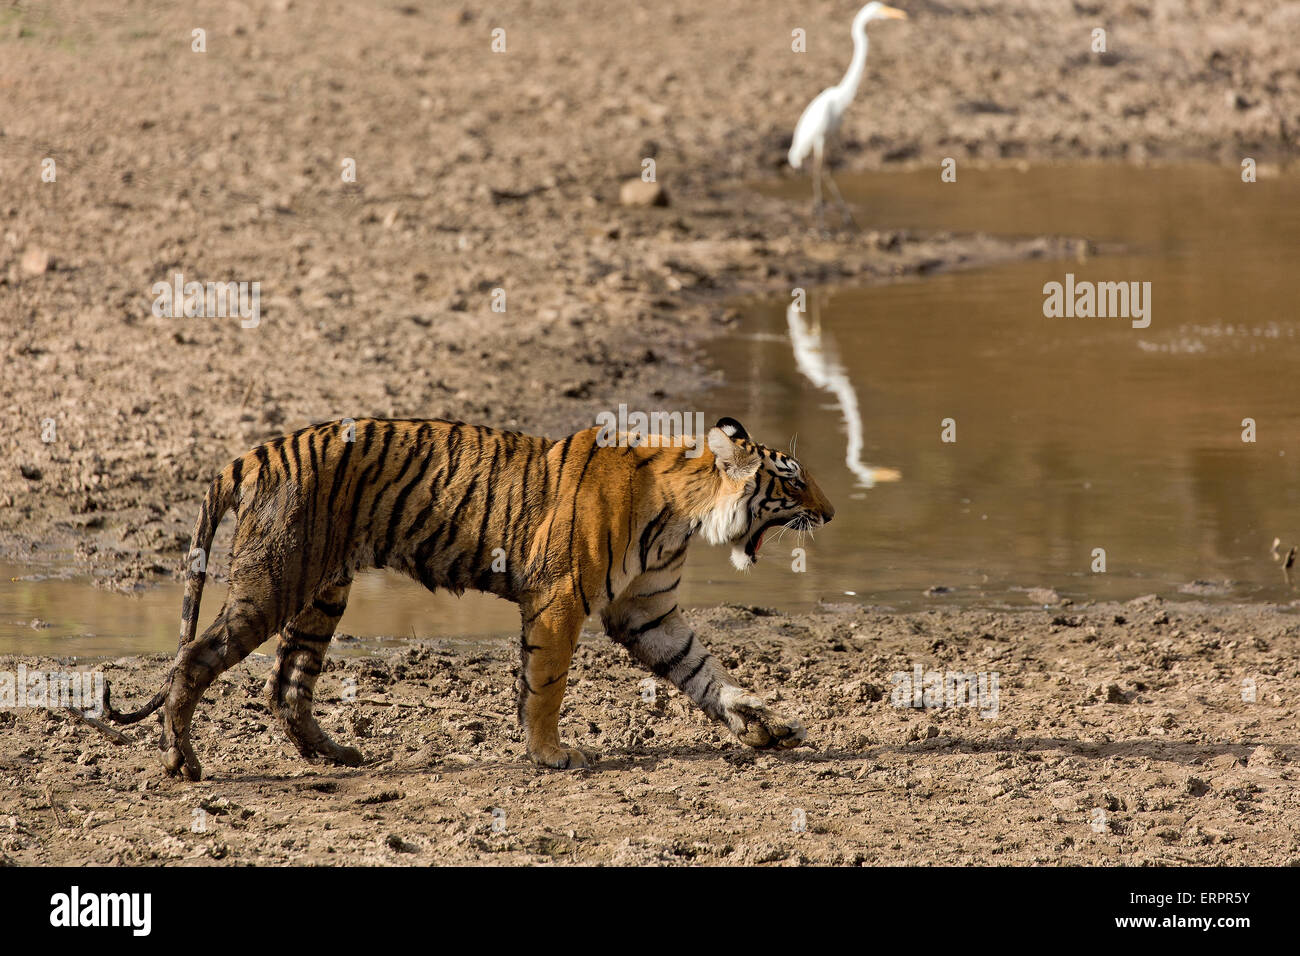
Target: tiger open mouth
[(755, 540)]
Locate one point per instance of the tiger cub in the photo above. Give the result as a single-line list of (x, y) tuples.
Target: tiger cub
[(563, 528)]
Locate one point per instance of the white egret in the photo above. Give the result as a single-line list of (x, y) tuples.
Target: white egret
[(822, 117)]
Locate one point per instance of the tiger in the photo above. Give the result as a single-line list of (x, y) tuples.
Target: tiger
[(564, 528)]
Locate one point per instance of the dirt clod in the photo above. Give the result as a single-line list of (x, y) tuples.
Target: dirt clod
[(636, 192)]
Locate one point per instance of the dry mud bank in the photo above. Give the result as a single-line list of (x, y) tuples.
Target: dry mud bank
[(1121, 736)]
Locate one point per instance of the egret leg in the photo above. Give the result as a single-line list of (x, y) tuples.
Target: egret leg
[(844, 207), (818, 210)]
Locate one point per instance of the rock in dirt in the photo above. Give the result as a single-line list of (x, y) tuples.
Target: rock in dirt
[(36, 261), (1266, 757), (1108, 693), (396, 843), (637, 192), (861, 690)]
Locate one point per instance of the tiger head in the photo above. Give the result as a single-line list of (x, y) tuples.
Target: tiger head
[(768, 489)]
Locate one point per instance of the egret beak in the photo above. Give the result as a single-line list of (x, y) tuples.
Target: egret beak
[(892, 13)]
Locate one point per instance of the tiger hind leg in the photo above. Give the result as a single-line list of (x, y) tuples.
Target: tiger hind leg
[(292, 684), (241, 625)]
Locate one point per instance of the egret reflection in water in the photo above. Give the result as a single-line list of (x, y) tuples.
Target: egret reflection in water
[(814, 353)]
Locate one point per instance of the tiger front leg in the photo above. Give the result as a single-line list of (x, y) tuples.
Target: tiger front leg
[(550, 634), (662, 640)]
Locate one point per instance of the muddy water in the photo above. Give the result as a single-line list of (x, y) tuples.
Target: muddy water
[(49, 613), (1072, 434)]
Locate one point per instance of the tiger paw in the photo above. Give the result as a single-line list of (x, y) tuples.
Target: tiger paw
[(756, 726), (338, 754), (182, 763), (559, 757)]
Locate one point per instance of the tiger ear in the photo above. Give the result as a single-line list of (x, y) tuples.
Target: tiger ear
[(733, 461), (732, 427)]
